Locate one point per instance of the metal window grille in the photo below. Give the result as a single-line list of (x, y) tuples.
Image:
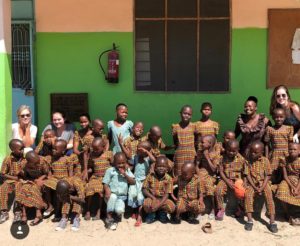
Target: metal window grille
[(21, 56)]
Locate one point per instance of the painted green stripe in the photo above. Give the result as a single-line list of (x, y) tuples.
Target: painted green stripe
[(5, 103), (68, 62)]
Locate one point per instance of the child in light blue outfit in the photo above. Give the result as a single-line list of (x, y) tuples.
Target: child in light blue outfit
[(115, 182), (119, 127), (142, 165)]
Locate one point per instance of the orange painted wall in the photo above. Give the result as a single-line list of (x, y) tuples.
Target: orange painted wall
[(84, 15), (254, 13), (5, 26), (117, 15)]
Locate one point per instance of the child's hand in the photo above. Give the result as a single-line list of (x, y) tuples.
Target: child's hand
[(201, 202), (156, 205), (122, 171)]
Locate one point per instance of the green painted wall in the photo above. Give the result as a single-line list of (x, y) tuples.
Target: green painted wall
[(5, 103), (68, 62)]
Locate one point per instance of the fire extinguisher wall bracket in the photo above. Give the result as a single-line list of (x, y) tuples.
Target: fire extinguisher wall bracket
[(112, 75)]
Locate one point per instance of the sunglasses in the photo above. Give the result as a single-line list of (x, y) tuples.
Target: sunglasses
[(281, 95), (24, 115)]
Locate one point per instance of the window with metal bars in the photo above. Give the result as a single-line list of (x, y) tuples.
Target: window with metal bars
[(182, 45), (21, 56)]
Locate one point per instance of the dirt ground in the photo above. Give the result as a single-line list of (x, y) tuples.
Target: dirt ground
[(227, 232)]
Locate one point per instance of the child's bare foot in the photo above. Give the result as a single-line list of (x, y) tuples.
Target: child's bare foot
[(87, 216)]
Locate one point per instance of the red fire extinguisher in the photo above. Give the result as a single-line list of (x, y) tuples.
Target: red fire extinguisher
[(112, 75)]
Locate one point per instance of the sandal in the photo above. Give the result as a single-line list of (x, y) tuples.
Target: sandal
[(36, 222), (207, 228), (249, 226), (17, 217), (48, 212)]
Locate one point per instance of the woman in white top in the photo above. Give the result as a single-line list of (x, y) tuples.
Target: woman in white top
[(23, 129)]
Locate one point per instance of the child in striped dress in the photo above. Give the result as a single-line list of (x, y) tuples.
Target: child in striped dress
[(30, 194), (129, 145), (278, 138), (157, 189), (60, 168), (289, 189), (231, 168), (258, 172), (11, 170), (190, 197), (99, 161), (207, 163), (45, 145), (206, 126), (184, 139)]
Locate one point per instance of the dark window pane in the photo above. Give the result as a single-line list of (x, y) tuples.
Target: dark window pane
[(149, 8), (178, 8), (214, 55), (149, 56), (182, 50), (214, 8)]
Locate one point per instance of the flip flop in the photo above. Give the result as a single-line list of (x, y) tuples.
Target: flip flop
[(48, 213), (34, 223), (207, 228)]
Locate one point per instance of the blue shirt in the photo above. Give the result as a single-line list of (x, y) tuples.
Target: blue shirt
[(117, 183), (141, 169), (115, 131)]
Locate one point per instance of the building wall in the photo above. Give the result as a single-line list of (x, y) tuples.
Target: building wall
[(5, 77), (71, 35)]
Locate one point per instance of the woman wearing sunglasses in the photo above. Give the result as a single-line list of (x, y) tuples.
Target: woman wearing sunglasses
[(24, 129), (281, 99)]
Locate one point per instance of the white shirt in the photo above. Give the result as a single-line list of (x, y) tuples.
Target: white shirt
[(15, 131)]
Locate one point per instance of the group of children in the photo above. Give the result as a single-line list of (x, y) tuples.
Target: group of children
[(135, 175)]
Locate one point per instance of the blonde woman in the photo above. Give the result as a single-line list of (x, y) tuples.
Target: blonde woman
[(24, 129)]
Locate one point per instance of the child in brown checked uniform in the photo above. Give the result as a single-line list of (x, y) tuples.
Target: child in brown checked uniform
[(45, 145), (129, 145), (99, 161), (207, 163), (231, 168), (258, 172), (277, 140), (157, 189), (12, 167), (184, 139), (70, 193), (190, 198), (60, 168)]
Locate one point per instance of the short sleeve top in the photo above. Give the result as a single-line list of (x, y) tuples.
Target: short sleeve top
[(125, 131), (15, 131), (117, 183), (66, 135)]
